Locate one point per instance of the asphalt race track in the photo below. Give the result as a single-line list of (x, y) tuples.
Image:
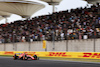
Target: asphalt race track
[(9, 62)]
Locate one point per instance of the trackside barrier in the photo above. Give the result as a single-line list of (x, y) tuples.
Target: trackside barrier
[(85, 55)]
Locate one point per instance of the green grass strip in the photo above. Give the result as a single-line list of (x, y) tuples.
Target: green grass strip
[(6, 55), (71, 59)]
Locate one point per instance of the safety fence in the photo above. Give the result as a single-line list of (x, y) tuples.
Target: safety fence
[(87, 55)]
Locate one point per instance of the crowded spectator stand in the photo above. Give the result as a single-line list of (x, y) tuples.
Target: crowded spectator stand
[(80, 23)]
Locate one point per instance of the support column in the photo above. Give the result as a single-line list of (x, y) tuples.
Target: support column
[(53, 8), (6, 20)]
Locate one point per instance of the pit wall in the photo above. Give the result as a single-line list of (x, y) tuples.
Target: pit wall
[(67, 46), (84, 55)]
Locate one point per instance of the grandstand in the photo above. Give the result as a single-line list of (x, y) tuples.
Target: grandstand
[(65, 23), (76, 24)]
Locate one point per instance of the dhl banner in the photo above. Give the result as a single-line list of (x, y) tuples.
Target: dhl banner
[(87, 55)]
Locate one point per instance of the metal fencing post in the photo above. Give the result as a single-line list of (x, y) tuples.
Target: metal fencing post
[(66, 43), (29, 43), (13, 41), (94, 36), (4, 45), (53, 39)]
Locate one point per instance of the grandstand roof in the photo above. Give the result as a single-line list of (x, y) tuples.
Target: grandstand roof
[(12, 0), (92, 1), (4, 14), (1, 18), (22, 8), (52, 2)]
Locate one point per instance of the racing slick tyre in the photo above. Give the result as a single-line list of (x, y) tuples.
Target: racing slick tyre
[(35, 56), (15, 57)]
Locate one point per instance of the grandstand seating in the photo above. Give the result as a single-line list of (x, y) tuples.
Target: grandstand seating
[(80, 23)]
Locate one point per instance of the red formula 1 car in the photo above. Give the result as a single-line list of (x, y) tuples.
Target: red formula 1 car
[(24, 56)]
